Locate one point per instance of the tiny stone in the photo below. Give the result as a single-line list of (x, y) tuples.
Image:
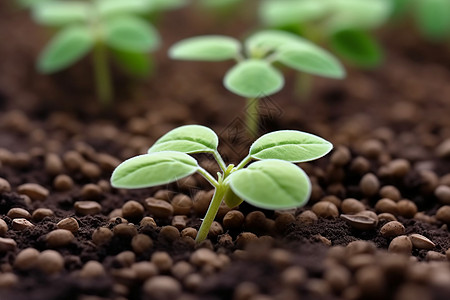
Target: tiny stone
[(390, 192), (165, 195), (325, 209), (91, 191), (392, 229), (352, 206), (179, 222), (162, 287), (26, 259), (369, 185), (34, 191), (87, 207), (70, 224), (333, 199), (281, 258), (181, 204), (125, 230), (63, 182), (169, 233), (162, 261), (435, 256), (340, 156), (307, 217), (144, 270), (203, 256), (386, 206), (215, 229), (147, 221), (421, 242), (201, 201), (132, 210), (233, 219), (401, 244), (8, 280), (406, 208), (159, 208), (50, 262), (386, 217), (3, 227), (443, 214), (189, 232), (21, 224), (107, 162), (125, 258), (398, 167), (360, 222), (372, 148), (102, 236), (371, 281), (90, 170), (246, 291), (338, 278), (294, 276), (53, 164), (41, 213), (59, 238), (141, 243), (73, 160), (92, 269), (5, 187), (244, 239), (7, 244), (442, 192), (360, 165), (182, 269), (359, 247), (17, 212)]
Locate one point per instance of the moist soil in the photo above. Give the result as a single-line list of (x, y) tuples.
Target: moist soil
[(391, 123)]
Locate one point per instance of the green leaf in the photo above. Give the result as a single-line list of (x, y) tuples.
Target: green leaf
[(231, 199), (58, 13), (187, 139), (162, 5), (131, 34), (357, 46), (272, 184), (309, 58), (153, 169), (253, 78), (433, 17), (208, 48), (109, 8), (135, 63), (30, 3), (67, 47), (290, 145), (286, 12), (263, 42), (219, 4)]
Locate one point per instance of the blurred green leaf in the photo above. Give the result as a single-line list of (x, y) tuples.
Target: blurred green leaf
[(58, 13), (433, 17), (135, 63), (286, 12), (109, 8)]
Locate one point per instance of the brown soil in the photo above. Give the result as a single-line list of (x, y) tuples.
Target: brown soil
[(397, 112)]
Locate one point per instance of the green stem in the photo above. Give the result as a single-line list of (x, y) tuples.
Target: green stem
[(102, 74), (208, 177), (211, 213), (245, 161), (252, 117), (220, 161)]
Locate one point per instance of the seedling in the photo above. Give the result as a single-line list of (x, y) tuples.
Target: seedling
[(95, 26), (431, 16), (254, 75), (343, 25), (273, 182)]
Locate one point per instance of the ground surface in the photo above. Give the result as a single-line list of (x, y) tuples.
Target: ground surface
[(391, 132)]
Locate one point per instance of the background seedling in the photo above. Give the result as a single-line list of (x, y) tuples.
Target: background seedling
[(273, 182), (343, 25), (254, 75), (95, 26)]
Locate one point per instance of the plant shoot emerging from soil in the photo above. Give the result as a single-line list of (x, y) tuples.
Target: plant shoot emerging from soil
[(254, 75), (344, 25), (95, 26), (273, 182)]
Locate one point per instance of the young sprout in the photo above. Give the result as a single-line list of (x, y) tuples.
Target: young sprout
[(431, 16), (254, 75), (273, 182), (96, 26), (343, 25)]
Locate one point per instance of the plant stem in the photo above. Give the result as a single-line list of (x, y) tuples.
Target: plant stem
[(303, 87), (220, 161), (211, 213), (208, 177), (102, 74), (252, 117)]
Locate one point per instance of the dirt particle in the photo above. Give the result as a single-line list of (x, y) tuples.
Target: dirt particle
[(352, 206), (125, 230), (340, 156), (159, 208), (34, 191), (189, 232), (369, 185), (8, 280), (87, 207), (162, 287), (3, 228), (147, 221), (386, 205), (41, 213), (21, 224), (144, 270), (50, 262), (59, 238), (406, 208), (325, 209), (5, 186), (7, 244), (392, 229), (442, 192), (401, 245), (179, 222), (126, 258), (443, 214), (18, 213), (360, 222), (26, 259), (233, 219), (92, 269), (102, 236), (390, 192), (421, 242), (182, 204), (63, 182), (70, 224), (141, 243), (132, 210), (435, 256)]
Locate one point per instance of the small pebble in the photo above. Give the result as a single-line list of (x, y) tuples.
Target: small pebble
[(386, 205), (50, 262), (147, 221), (421, 242), (63, 182), (307, 217), (179, 222), (102, 236), (435, 256), (442, 192), (169, 233), (165, 195), (91, 191), (360, 222), (17, 212), (70, 224), (7, 244), (125, 230), (26, 259), (162, 261), (87, 207), (352, 206), (159, 208), (325, 209), (90, 170), (398, 167), (182, 204), (92, 269), (41, 213), (233, 219), (21, 224), (244, 239), (8, 280), (182, 269), (132, 210), (340, 156), (144, 270), (189, 232), (203, 256), (34, 191), (443, 214), (392, 229), (3, 227), (73, 160), (141, 243), (125, 258), (369, 185), (59, 238), (162, 287), (401, 244), (386, 217), (201, 201), (53, 164), (406, 208), (390, 192), (5, 187)]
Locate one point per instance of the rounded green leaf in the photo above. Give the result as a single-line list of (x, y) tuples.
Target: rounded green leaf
[(109, 8), (207, 48), (272, 184), (263, 42), (290, 145), (135, 63), (162, 5), (287, 12), (253, 78), (130, 33), (57, 13), (357, 46), (309, 58), (153, 169), (433, 17), (187, 139), (67, 47), (231, 199)]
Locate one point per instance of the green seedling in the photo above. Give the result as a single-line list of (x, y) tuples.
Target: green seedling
[(254, 75), (273, 182), (431, 16), (343, 25), (98, 26)]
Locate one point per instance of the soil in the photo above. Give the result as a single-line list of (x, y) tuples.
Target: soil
[(392, 122)]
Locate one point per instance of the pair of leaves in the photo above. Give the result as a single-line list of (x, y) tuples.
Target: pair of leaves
[(256, 76), (273, 182), (276, 13)]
